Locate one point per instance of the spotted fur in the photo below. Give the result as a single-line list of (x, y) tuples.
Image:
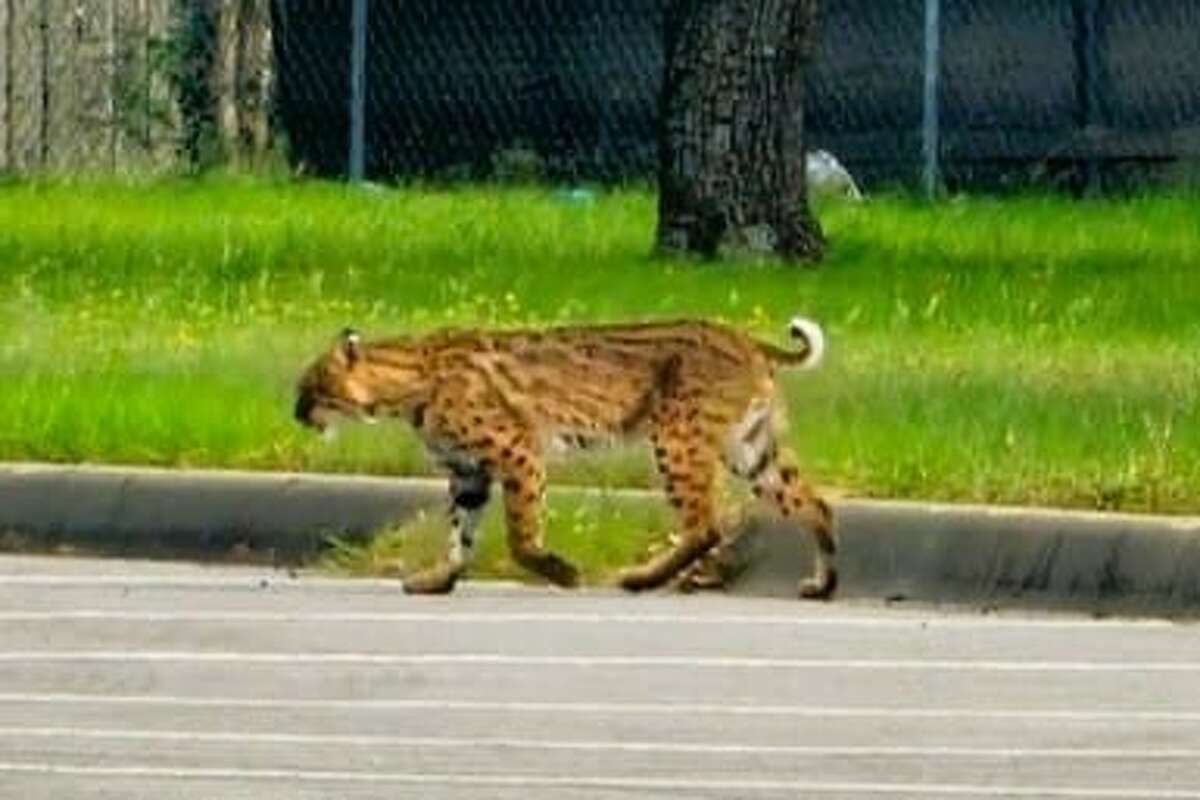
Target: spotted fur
[(490, 404)]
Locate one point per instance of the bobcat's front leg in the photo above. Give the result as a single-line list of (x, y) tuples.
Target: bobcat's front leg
[(470, 484), (479, 427)]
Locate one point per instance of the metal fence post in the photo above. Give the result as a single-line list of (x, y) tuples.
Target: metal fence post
[(930, 132), (358, 89)]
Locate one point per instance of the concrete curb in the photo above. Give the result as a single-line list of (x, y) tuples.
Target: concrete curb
[(997, 558), (980, 555), (279, 517)]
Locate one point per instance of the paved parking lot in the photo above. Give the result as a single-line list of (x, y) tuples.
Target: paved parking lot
[(155, 680)]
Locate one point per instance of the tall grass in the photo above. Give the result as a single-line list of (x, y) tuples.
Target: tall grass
[(1034, 349)]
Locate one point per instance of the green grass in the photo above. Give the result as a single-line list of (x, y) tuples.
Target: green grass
[(600, 534), (1025, 350)]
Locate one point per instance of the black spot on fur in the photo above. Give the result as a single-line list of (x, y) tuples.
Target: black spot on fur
[(418, 416), (472, 496)]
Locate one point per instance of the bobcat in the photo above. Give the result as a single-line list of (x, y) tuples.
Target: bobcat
[(489, 404)]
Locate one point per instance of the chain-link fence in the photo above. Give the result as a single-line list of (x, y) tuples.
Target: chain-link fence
[(997, 90)]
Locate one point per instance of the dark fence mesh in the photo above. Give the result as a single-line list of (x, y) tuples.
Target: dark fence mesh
[(567, 89), (560, 87), (864, 87), (312, 54)]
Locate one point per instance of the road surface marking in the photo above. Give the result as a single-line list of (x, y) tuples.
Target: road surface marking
[(507, 660), (574, 707), (599, 782), (502, 743)]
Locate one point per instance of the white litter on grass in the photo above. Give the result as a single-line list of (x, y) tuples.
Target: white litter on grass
[(827, 177)]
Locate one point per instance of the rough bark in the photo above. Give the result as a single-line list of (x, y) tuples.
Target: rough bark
[(223, 80), (147, 118), (195, 43), (731, 136), (79, 83), (6, 48), (243, 78), (26, 95)]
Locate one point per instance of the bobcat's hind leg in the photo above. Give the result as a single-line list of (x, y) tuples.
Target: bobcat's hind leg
[(752, 454), (781, 484), (687, 461)]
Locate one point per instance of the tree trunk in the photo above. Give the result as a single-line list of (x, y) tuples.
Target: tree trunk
[(731, 129), (223, 80), (242, 79), (195, 41)]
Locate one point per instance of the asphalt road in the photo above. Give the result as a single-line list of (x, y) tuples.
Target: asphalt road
[(135, 680)]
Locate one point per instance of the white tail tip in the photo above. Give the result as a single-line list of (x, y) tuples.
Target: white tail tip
[(812, 335)]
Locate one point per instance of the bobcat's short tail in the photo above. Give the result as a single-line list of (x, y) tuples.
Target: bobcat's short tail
[(811, 340)]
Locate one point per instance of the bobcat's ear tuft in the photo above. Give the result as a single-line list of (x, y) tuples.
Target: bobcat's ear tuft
[(350, 345)]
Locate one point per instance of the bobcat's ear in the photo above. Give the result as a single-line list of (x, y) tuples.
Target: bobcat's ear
[(350, 346)]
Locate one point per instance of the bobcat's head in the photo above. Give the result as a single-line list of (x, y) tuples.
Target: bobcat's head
[(335, 384)]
